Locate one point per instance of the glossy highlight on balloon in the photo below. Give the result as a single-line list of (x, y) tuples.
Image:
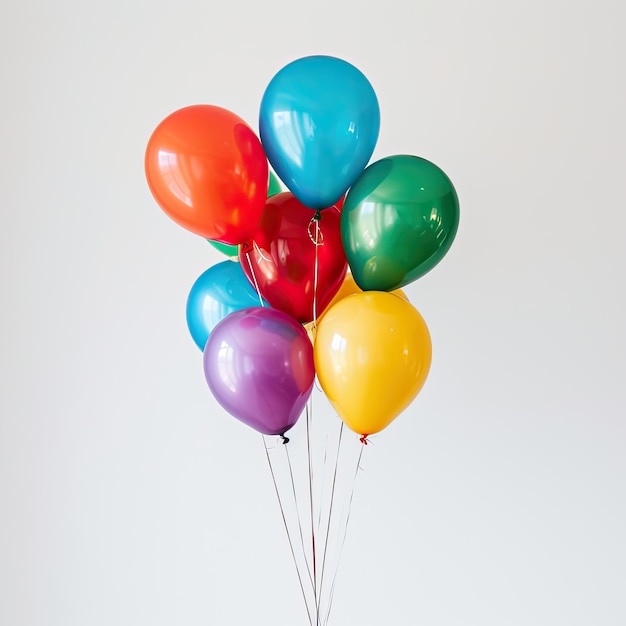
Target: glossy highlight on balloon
[(372, 356), (319, 123), (207, 170), (216, 293), (398, 221), (258, 363)]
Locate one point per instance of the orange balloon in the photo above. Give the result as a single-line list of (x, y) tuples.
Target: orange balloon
[(208, 171)]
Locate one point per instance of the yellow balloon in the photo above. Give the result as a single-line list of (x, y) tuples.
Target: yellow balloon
[(372, 357), (348, 288)]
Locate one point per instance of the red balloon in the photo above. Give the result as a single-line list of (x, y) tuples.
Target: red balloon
[(280, 259), (207, 170)]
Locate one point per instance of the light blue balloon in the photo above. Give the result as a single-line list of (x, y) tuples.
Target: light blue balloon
[(319, 124), (221, 290)]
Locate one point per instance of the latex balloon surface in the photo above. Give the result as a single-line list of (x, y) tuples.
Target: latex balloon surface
[(398, 221), (283, 259), (218, 292), (372, 357), (258, 363), (232, 252), (319, 124), (207, 170)]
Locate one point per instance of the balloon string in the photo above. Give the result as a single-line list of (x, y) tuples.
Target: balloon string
[(318, 240), (343, 541), (295, 499), (282, 512), (309, 414), (256, 285), (324, 465), (330, 512)]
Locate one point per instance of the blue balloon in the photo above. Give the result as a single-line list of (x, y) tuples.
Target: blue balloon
[(319, 124), (221, 290)]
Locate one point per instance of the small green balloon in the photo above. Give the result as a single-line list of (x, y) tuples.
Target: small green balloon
[(398, 221), (274, 186), (226, 248)]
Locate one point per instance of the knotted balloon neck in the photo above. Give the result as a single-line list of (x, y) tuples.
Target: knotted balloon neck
[(285, 439), (363, 440), (315, 232)]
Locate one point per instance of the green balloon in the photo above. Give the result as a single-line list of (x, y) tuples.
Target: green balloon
[(233, 251), (226, 248), (398, 221), (274, 186)]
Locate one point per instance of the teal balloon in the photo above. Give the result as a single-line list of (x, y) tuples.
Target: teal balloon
[(319, 123), (398, 221), (232, 252), (219, 291)]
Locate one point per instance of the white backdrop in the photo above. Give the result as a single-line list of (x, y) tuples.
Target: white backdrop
[(129, 497)]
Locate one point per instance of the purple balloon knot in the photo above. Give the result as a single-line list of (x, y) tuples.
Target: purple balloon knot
[(285, 439)]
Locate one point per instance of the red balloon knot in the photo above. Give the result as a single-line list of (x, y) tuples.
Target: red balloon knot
[(363, 440)]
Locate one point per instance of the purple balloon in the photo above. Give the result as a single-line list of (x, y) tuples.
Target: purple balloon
[(258, 363)]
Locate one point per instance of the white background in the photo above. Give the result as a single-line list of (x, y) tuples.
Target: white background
[(128, 497)]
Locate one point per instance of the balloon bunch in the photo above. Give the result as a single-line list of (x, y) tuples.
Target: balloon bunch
[(317, 289)]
